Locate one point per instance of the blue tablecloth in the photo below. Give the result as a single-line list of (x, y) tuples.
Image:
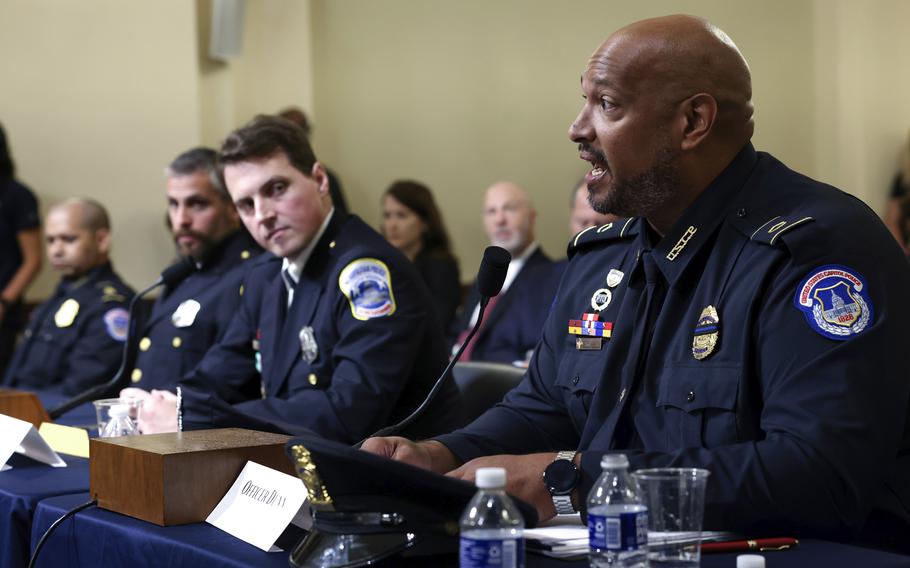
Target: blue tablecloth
[(96, 537), (82, 416), (21, 488)]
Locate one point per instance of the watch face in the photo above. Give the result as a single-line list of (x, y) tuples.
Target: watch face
[(561, 477)]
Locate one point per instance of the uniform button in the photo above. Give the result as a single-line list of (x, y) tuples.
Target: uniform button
[(691, 396), (241, 289), (136, 376), (575, 380), (741, 213), (622, 394), (144, 344), (28, 333), (312, 378), (245, 255), (176, 342), (332, 245)]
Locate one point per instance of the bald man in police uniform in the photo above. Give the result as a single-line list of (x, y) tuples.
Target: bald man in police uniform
[(746, 319), (337, 321), (75, 339), (192, 316)]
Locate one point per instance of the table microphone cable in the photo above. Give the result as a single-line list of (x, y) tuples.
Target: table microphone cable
[(54, 525)]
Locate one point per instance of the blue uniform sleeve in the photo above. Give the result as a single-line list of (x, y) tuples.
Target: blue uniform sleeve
[(97, 353)]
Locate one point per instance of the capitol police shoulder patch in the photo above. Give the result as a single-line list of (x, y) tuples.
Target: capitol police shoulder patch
[(117, 323), (835, 302), (367, 284)]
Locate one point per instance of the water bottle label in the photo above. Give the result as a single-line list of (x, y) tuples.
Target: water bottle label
[(626, 531), (501, 553)]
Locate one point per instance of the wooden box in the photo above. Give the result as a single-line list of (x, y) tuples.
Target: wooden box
[(23, 405), (177, 478)]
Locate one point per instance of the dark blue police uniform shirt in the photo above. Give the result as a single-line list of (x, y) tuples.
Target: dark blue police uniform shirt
[(800, 417), (188, 319), (512, 329), (74, 340), (338, 366)]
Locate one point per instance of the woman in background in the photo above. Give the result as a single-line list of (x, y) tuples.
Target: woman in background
[(412, 223), (20, 250)]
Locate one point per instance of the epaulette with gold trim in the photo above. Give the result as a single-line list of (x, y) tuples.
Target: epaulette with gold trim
[(619, 229), (109, 293), (770, 231)]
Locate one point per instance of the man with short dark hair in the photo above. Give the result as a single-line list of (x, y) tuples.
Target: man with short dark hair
[(337, 321), (75, 339), (190, 317), (745, 318)]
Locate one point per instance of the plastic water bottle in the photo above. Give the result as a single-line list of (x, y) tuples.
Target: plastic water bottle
[(492, 529), (617, 519), (120, 423)]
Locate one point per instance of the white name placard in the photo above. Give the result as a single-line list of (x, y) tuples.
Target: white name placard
[(259, 506), (20, 436)]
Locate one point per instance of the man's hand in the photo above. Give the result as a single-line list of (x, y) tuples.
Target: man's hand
[(158, 413), (524, 476), (133, 392), (429, 455)]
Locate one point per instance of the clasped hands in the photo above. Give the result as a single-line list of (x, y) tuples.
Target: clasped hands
[(158, 412)]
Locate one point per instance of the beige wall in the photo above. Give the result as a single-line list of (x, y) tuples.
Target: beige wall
[(98, 95)]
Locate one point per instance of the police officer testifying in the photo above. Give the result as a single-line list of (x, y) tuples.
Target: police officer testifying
[(336, 320), (745, 318), (75, 339), (192, 316)]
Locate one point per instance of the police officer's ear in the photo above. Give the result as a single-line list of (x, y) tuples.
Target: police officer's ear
[(103, 240), (319, 175), (699, 112)]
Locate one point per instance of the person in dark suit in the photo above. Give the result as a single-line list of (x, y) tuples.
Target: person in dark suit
[(336, 321), (730, 323), (75, 339), (513, 321), (412, 223), (192, 316)]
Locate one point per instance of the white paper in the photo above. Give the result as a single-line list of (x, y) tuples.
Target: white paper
[(259, 506), (20, 436)]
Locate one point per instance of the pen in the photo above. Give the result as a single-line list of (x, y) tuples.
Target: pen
[(758, 545)]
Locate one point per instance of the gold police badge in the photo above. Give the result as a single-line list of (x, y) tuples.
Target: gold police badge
[(66, 314), (707, 333)]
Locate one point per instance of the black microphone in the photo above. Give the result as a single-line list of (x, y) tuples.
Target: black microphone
[(171, 276), (490, 276)]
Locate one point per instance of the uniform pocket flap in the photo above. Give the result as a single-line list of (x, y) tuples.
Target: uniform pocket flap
[(697, 388), (580, 373)]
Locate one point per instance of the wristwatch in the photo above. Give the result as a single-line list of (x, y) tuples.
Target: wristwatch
[(561, 477)]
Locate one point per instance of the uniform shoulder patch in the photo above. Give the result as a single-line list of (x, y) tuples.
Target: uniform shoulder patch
[(835, 301), (621, 228), (367, 284), (117, 323)]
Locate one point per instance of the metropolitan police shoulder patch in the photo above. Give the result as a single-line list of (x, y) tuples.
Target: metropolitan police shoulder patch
[(367, 284), (117, 322), (835, 302)]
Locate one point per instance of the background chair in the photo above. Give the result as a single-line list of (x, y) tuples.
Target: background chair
[(484, 384)]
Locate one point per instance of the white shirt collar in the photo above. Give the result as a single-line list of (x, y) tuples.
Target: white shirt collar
[(294, 267)]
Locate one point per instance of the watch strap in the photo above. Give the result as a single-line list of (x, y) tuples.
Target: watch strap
[(563, 503)]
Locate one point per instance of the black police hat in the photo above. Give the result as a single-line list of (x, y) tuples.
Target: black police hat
[(366, 507)]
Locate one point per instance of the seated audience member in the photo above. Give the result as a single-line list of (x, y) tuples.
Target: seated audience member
[(20, 250), (298, 117), (413, 224), (894, 215), (511, 328), (192, 316), (336, 319), (751, 335), (75, 339)]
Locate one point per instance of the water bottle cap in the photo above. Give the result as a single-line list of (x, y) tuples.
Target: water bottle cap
[(490, 478), (611, 461), (119, 410), (750, 561)]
